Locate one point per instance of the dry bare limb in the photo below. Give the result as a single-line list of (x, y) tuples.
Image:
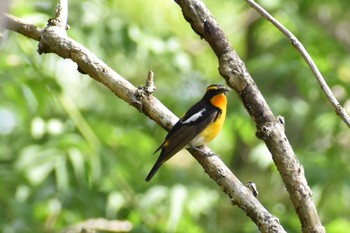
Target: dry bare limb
[(100, 224), (53, 39), (303, 52), (269, 128), (15, 24)]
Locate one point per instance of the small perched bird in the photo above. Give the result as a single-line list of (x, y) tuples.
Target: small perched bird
[(200, 124)]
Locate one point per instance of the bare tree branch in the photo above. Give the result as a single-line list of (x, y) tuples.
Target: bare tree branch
[(269, 128), (62, 13), (18, 25), (100, 224), (301, 49), (54, 40)]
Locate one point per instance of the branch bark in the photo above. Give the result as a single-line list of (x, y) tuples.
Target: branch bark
[(301, 49), (53, 39), (269, 128), (18, 25)]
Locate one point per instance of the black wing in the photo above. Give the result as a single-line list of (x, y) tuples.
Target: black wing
[(196, 119)]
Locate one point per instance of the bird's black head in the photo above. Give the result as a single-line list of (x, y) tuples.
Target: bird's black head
[(214, 90)]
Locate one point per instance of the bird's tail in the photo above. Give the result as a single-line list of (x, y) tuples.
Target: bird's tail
[(153, 171)]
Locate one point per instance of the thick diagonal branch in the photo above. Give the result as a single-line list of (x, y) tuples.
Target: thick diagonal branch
[(53, 39), (269, 128)]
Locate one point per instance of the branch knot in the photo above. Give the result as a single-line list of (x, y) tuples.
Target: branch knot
[(268, 129), (143, 91)]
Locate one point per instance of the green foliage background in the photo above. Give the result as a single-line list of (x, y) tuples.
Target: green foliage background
[(70, 150)]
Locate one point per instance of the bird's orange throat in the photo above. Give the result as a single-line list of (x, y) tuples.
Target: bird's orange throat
[(219, 101)]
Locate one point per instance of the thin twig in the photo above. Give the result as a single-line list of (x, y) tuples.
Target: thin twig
[(150, 87), (62, 12), (300, 48), (61, 17)]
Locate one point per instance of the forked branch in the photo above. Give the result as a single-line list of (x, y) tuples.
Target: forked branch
[(53, 39), (269, 128)]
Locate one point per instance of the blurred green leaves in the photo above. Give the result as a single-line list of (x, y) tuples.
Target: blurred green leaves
[(70, 150)]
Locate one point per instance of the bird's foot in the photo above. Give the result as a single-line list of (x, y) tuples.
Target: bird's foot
[(202, 149), (197, 148)]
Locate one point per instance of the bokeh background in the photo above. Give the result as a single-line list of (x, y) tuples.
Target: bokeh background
[(70, 150)]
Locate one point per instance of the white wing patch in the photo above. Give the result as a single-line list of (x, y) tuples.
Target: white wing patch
[(194, 117)]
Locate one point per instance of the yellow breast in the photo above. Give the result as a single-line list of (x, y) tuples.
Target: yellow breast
[(219, 101)]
